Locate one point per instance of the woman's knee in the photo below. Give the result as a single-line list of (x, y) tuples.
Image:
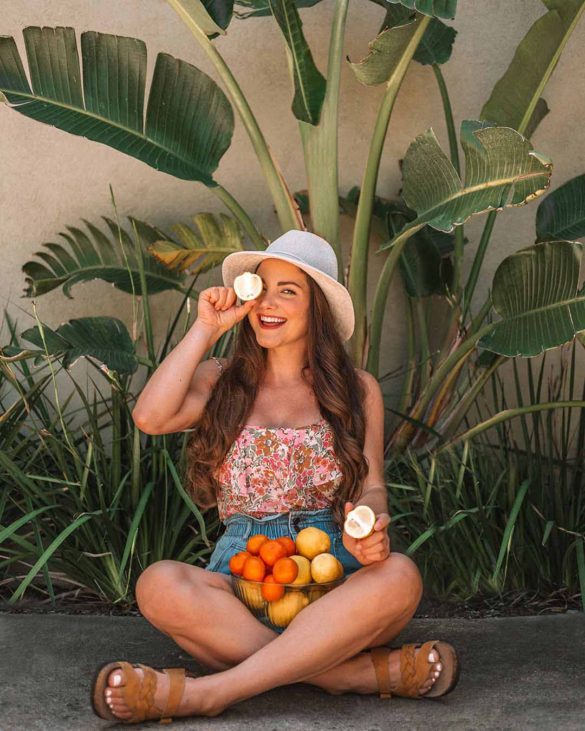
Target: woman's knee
[(158, 587), (401, 571)]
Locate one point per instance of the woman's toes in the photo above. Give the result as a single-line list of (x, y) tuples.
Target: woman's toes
[(115, 679)]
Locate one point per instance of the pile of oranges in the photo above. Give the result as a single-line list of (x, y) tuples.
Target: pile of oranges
[(268, 561)]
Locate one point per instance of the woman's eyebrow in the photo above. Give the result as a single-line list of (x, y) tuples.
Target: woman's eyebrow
[(279, 284)]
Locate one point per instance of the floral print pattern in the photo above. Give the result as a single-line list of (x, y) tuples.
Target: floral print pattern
[(271, 470)]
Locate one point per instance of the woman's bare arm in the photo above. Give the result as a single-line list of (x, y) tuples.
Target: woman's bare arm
[(174, 397)]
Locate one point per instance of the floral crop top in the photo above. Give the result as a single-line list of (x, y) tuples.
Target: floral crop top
[(271, 470)]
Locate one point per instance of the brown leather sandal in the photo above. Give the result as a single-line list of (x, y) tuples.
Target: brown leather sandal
[(138, 693), (414, 670)]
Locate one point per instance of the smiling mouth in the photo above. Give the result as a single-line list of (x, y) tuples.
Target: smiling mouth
[(270, 325)]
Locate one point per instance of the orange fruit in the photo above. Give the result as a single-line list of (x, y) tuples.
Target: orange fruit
[(289, 544), (271, 590), (254, 543), (254, 569), (237, 561), (271, 551), (285, 570)]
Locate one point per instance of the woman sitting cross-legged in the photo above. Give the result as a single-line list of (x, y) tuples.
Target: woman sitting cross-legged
[(285, 434)]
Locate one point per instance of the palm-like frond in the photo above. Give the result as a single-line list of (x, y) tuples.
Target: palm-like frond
[(85, 257)]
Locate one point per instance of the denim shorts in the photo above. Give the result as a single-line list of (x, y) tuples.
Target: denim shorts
[(240, 527)]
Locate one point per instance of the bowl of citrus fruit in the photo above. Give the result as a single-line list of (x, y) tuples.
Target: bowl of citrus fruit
[(277, 578)]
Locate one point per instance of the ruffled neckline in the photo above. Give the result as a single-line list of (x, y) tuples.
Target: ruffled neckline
[(285, 428)]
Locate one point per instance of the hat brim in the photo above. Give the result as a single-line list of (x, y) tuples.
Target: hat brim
[(336, 294)]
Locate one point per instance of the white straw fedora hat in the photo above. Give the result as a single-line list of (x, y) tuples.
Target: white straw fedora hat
[(313, 255)]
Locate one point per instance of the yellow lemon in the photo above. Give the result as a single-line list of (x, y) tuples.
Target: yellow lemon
[(251, 594), (312, 541), (325, 567), (359, 522), (283, 611), (304, 575)]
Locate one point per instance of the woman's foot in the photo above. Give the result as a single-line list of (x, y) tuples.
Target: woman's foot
[(359, 676), (115, 700)]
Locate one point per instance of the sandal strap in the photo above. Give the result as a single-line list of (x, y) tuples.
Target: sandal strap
[(380, 660), (138, 695), (414, 670), (177, 685)]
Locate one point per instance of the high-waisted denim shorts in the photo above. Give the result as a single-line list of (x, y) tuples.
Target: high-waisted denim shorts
[(240, 527)]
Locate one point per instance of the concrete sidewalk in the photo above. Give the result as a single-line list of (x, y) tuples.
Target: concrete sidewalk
[(518, 673)]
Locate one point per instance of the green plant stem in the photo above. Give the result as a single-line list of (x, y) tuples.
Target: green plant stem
[(477, 262), (458, 253), (448, 117), (509, 414), (411, 360), (283, 200), (425, 351), (358, 273), (381, 296), (232, 204), (320, 146), (454, 419)]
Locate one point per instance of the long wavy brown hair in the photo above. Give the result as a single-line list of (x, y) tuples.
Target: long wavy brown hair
[(337, 388)]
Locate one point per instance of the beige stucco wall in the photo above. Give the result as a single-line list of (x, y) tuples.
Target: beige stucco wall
[(51, 179)]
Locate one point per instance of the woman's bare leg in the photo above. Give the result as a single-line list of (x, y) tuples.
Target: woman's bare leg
[(198, 610)]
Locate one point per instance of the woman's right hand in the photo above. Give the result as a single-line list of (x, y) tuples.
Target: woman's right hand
[(218, 311)]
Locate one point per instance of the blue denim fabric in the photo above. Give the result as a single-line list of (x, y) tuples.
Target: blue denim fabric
[(240, 527)]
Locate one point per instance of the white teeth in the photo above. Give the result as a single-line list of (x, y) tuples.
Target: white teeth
[(271, 319)]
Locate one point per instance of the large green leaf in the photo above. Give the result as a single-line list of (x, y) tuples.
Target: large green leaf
[(386, 52), (435, 46), (435, 8), (501, 169), (104, 338), (203, 250), (425, 263), (94, 256), (189, 120), (535, 294), (514, 99), (310, 85), (561, 215), (259, 8)]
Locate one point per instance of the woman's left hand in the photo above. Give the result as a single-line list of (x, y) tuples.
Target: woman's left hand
[(376, 547)]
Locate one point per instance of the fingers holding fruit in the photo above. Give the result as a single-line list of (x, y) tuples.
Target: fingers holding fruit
[(365, 534), (217, 308)]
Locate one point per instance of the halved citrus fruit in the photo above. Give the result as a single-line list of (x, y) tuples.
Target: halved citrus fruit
[(359, 522), (247, 286)]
